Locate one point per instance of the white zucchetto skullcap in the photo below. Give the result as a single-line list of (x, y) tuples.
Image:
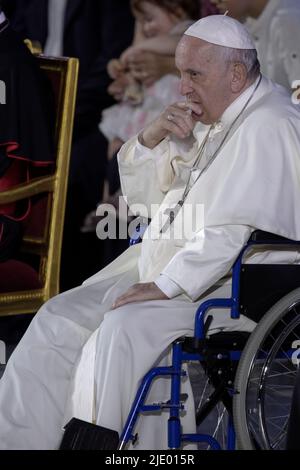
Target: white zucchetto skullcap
[(223, 31)]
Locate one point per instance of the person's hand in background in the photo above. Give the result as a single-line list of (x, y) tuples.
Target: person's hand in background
[(115, 68), (148, 67), (118, 87)]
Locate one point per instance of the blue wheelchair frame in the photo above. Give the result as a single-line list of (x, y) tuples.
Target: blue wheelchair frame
[(175, 371)]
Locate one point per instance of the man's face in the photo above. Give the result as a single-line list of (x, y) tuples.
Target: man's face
[(238, 9), (205, 78)]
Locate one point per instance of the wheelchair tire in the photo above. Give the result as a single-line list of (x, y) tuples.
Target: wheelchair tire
[(261, 406)]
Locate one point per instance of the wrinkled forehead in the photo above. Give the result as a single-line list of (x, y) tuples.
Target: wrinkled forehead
[(192, 51)]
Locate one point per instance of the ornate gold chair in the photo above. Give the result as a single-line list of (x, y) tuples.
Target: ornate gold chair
[(34, 46), (34, 278)]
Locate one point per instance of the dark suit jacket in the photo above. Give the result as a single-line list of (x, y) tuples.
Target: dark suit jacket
[(9, 7), (95, 31)]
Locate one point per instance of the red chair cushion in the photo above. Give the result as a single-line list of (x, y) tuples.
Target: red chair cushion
[(17, 276), (36, 225)]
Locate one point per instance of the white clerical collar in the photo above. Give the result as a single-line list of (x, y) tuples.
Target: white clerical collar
[(2, 17), (235, 108), (256, 25)]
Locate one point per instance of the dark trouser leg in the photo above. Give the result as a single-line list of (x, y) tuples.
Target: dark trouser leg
[(87, 173)]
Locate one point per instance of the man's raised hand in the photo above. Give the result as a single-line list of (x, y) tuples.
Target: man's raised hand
[(177, 119)]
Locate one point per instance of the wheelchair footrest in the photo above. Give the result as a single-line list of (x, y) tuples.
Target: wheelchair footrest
[(81, 435)]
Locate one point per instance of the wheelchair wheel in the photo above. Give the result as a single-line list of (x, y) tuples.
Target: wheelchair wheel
[(266, 376)]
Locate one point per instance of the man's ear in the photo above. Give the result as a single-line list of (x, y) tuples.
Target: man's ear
[(239, 77)]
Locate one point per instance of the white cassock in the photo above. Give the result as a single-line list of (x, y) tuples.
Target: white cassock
[(80, 358), (276, 33)]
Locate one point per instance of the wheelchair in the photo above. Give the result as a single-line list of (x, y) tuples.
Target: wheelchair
[(252, 375)]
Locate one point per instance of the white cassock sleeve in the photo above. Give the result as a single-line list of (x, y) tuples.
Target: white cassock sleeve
[(147, 175), (286, 34), (152, 176), (203, 261)]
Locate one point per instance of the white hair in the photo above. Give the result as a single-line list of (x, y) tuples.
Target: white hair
[(247, 57)]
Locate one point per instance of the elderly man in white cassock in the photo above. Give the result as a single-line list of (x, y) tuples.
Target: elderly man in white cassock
[(231, 147)]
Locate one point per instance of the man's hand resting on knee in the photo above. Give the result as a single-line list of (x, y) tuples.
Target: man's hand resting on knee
[(140, 293)]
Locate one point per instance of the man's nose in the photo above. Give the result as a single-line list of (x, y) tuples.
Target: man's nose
[(185, 87)]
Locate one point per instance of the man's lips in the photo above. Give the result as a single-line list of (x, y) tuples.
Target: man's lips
[(193, 108), (196, 117), (196, 109)]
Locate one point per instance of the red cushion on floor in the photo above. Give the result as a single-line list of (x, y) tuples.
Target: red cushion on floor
[(17, 276)]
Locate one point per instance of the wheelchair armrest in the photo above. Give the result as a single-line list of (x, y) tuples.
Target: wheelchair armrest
[(269, 238)]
